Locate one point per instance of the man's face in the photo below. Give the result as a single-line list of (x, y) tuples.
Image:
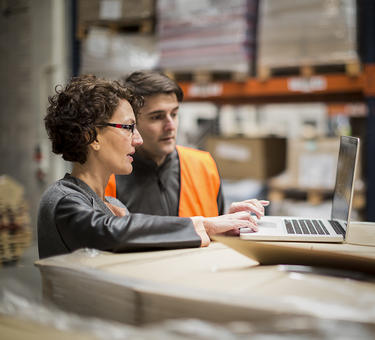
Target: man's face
[(157, 123)]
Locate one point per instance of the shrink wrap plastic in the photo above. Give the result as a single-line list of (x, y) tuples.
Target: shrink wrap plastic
[(206, 35), (21, 318)]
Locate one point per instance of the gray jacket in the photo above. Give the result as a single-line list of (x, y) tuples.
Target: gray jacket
[(72, 216)]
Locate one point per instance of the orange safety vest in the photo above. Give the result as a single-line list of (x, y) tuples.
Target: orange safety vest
[(200, 183), (110, 190)]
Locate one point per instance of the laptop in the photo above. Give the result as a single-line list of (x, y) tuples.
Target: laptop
[(285, 228)]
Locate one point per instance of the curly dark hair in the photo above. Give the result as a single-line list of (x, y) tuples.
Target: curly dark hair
[(76, 111), (148, 83)]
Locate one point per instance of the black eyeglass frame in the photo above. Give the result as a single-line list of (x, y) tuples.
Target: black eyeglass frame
[(129, 127)]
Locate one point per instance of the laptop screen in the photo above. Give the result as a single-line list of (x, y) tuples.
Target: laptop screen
[(346, 164)]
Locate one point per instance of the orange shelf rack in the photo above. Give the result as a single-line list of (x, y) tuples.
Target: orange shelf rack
[(316, 87)]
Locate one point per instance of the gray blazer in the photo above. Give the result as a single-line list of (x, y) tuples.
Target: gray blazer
[(72, 216)]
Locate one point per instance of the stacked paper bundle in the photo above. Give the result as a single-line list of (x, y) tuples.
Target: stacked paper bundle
[(206, 35), (306, 32)]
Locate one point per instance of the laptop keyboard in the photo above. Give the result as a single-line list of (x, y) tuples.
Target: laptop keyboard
[(337, 227), (309, 227)]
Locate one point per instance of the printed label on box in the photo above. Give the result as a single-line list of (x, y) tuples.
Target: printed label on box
[(110, 9)]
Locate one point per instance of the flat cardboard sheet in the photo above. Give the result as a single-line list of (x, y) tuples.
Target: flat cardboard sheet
[(341, 256), (361, 233), (216, 283)]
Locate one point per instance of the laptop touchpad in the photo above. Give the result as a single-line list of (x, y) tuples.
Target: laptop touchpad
[(266, 224)]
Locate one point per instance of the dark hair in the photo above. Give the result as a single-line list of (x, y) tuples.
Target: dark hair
[(148, 83), (76, 110)]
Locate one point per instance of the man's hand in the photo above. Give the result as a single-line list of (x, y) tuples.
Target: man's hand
[(252, 206), (239, 216)]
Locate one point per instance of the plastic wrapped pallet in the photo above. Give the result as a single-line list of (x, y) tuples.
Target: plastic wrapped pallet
[(206, 35), (306, 32), (112, 55)]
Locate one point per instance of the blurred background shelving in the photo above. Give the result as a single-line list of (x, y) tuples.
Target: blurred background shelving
[(268, 85), (252, 71)]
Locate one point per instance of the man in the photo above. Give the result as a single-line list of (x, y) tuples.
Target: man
[(168, 179)]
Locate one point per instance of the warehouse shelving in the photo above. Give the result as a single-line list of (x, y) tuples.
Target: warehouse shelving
[(339, 87), (330, 88), (317, 87)]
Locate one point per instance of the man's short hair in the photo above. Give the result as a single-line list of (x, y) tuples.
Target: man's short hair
[(148, 83)]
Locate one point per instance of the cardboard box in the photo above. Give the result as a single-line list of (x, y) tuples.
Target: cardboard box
[(256, 158), (94, 10), (312, 163)]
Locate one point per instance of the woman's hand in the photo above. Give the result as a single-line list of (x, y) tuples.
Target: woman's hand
[(229, 223), (239, 216), (252, 206)]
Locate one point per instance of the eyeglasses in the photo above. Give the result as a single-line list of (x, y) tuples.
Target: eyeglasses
[(129, 127)]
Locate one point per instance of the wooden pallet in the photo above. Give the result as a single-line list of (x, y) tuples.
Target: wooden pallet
[(351, 68), (142, 25), (312, 196), (206, 76)]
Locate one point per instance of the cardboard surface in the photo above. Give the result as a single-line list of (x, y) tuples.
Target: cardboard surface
[(341, 256), (361, 233), (215, 283)]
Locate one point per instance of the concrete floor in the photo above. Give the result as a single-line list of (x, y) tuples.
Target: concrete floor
[(23, 278)]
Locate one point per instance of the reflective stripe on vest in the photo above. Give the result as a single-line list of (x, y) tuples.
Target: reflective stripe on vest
[(110, 190), (200, 183)]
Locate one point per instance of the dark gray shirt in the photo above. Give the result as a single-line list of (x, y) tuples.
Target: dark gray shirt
[(150, 189)]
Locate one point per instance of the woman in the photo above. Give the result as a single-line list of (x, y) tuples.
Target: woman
[(92, 124)]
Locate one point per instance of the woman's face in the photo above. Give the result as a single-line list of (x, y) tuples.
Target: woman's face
[(117, 145)]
